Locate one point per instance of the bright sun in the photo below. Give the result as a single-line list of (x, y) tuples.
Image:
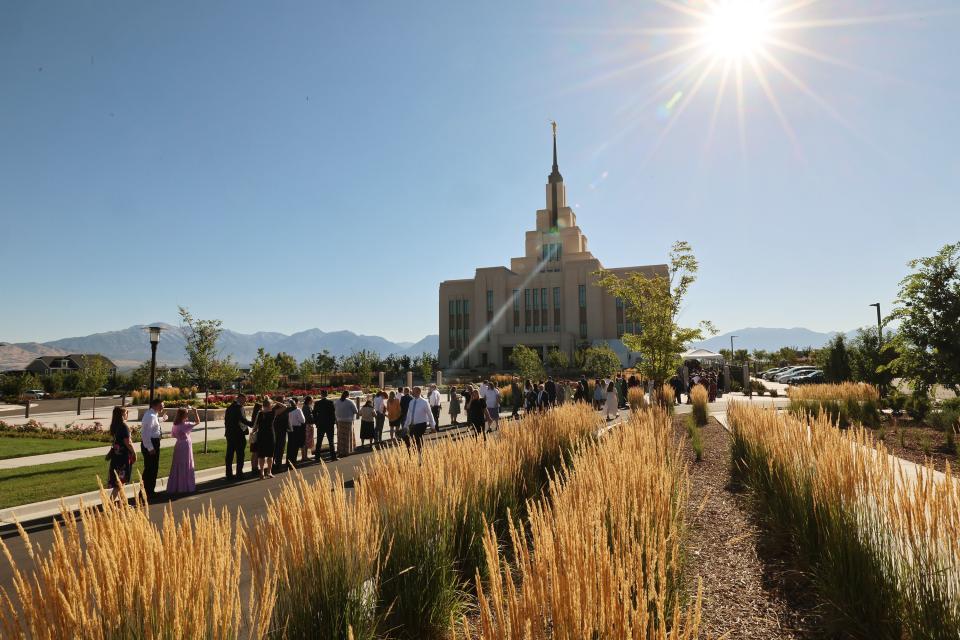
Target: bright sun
[(736, 29)]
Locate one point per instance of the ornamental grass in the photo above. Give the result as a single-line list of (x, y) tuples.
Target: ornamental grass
[(434, 509), (636, 398), (880, 540), (113, 574), (699, 399), (666, 397), (844, 404), (320, 554), (602, 557)]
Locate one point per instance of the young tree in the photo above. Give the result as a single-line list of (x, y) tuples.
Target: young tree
[(601, 361), (870, 359), (928, 308), (286, 363), (835, 360), (264, 373), (200, 343), (324, 363), (557, 360), (654, 303), (224, 372), (93, 375), (427, 364), (180, 378), (360, 363), (527, 362)]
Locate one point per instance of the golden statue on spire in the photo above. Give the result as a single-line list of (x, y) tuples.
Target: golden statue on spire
[(553, 124)]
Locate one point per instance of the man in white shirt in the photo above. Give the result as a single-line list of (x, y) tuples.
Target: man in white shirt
[(434, 399), (492, 397), (296, 433), (150, 446), (419, 417)]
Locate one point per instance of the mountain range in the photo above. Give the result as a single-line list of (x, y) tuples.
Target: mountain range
[(770, 338), (129, 347)]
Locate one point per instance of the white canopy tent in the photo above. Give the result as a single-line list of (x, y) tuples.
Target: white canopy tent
[(702, 354)]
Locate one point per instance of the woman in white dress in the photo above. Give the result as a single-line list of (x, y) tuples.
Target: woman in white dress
[(611, 401)]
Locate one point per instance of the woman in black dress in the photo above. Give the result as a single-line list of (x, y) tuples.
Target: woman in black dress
[(477, 413), (265, 441), (122, 454)]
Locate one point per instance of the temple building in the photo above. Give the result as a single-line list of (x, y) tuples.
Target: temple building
[(546, 300)]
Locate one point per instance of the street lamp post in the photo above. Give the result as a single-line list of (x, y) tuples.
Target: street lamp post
[(879, 326), (154, 341), (731, 347)]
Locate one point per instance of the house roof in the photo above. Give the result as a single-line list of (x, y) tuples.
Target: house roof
[(77, 358)]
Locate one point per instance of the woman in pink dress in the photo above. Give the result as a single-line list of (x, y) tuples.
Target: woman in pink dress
[(181, 479)]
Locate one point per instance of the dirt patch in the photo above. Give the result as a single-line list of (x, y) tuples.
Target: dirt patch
[(918, 443), (748, 592)]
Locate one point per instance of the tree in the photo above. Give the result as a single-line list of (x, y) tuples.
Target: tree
[(557, 360), (178, 377), (305, 371), (835, 360), (870, 361), (527, 362), (200, 343), (324, 363), (93, 375), (224, 372), (654, 304), (264, 373), (17, 385), (360, 363), (928, 308), (601, 361), (426, 364), (287, 363)]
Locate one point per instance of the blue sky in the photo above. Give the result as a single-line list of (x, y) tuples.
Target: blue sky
[(289, 165)]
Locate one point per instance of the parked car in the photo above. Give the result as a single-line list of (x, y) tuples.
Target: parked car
[(769, 373), (34, 394), (763, 374), (783, 375), (789, 377), (812, 377)]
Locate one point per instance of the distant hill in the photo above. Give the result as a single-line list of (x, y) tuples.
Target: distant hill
[(130, 346), (769, 338)]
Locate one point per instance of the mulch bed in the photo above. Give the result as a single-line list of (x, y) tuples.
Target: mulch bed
[(748, 592), (920, 442)]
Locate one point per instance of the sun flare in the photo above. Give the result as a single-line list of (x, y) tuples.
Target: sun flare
[(736, 29)]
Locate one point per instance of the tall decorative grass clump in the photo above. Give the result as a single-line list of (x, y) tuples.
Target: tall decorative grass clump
[(637, 398), (880, 540), (602, 558), (844, 404), (433, 510), (699, 399), (320, 554), (665, 398), (123, 577)]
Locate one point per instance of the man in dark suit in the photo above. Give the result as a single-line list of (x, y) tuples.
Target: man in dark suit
[(235, 429), (551, 388), (325, 416)]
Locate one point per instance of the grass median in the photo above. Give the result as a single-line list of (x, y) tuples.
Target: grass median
[(47, 481), (21, 447)]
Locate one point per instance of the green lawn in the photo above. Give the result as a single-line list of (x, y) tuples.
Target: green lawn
[(48, 481), (19, 447)]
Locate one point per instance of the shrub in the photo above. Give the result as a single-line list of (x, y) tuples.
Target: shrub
[(944, 420), (918, 406), (696, 439), (699, 398), (896, 401)]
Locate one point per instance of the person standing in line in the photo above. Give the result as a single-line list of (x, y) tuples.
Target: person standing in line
[(419, 419), (297, 433), (516, 398), (265, 441), (551, 388), (122, 454), (235, 429), (529, 398), (404, 403), (466, 394), (611, 401), (621, 391), (380, 414), (393, 413), (325, 415), (477, 415), (310, 439), (182, 479), (254, 417), (368, 424), (454, 409), (599, 394), (433, 397), (492, 396), (150, 446), (346, 412), (281, 426), (562, 391)]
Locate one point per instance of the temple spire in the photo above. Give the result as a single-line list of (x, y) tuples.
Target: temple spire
[(555, 174)]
